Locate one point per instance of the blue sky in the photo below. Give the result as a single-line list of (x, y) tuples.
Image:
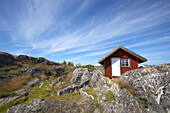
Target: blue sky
[(83, 31)]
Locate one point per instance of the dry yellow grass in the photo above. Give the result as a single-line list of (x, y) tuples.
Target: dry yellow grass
[(123, 84), (7, 86), (68, 78)]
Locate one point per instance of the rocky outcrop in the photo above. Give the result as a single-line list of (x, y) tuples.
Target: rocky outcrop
[(124, 103), (83, 77), (6, 59), (18, 94), (24, 109), (21, 92), (7, 100), (34, 70), (151, 86), (4, 76), (25, 58), (85, 95), (59, 71), (33, 82), (54, 106)]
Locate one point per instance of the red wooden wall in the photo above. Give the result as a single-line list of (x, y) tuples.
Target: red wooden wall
[(122, 54)]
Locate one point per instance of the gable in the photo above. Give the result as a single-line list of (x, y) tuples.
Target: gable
[(119, 53)]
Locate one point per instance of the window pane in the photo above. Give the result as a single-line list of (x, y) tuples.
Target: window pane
[(125, 62)]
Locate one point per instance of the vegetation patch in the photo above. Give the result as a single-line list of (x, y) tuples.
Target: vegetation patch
[(91, 91), (96, 104), (109, 96), (144, 103), (91, 67), (3, 109), (13, 72), (123, 84), (12, 84)]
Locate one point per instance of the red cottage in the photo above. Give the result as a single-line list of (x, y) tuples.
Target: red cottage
[(120, 60)]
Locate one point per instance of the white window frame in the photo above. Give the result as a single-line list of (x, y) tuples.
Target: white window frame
[(125, 61)]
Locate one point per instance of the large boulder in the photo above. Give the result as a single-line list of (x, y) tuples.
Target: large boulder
[(151, 86), (124, 103), (97, 80), (80, 75), (82, 78), (6, 59), (34, 70)]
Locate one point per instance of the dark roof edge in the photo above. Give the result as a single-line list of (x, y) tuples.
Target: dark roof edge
[(125, 49)]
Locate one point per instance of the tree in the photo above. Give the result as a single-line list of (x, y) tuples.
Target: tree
[(70, 64), (64, 63), (78, 65)]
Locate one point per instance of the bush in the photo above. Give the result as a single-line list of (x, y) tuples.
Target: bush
[(86, 66), (64, 63)]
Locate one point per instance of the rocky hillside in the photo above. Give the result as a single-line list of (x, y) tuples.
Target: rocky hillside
[(36, 88), (7, 59)]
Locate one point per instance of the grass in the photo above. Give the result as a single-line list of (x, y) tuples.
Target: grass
[(92, 92), (96, 104), (13, 84), (3, 109), (37, 93), (12, 72), (144, 103), (109, 96), (65, 73), (123, 84)]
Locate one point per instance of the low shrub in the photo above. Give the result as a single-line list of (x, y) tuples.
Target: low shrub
[(91, 67)]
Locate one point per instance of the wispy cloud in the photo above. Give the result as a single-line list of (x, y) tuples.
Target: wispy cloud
[(149, 42), (84, 28)]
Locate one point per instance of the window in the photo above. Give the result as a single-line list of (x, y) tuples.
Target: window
[(125, 62)]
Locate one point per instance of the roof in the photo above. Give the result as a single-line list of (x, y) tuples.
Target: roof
[(125, 49)]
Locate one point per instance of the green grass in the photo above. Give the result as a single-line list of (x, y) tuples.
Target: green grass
[(96, 104), (12, 72), (92, 92), (144, 103), (3, 109), (37, 93), (2, 72), (65, 73), (109, 96)]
